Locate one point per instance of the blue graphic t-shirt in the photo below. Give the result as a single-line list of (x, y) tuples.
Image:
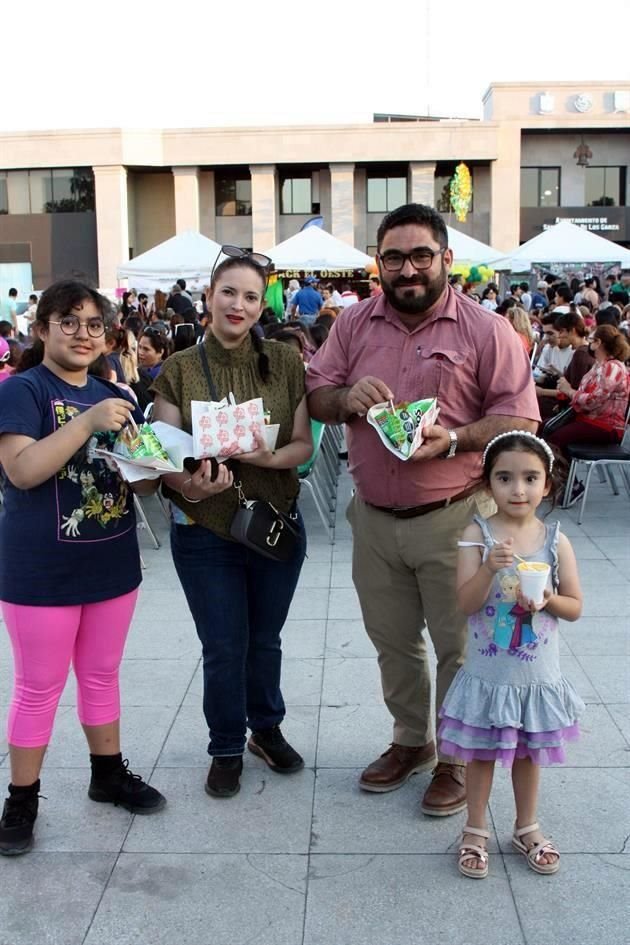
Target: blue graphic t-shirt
[(71, 540)]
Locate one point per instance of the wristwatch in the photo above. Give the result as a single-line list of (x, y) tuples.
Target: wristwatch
[(453, 445)]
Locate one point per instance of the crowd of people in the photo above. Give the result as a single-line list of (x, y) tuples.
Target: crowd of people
[(437, 540)]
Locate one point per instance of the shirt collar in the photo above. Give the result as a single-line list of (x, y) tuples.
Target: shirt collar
[(446, 308)]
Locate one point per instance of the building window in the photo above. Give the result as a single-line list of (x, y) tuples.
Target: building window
[(540, 187), (296, 195), (233, 196), (58, 190), (385, 193), (4, 193), (604, 186)]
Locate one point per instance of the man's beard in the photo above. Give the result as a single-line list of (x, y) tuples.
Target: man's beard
[(409, 303)]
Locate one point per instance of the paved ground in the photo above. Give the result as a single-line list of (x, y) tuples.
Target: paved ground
[(310, 859)]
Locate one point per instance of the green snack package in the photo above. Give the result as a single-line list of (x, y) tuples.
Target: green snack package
[(392, 426), (143, 443)]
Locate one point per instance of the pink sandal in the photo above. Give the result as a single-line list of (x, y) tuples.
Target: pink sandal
[(534, 853), (470, 851)]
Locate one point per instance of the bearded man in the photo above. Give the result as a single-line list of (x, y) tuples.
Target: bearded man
[(418, 339)]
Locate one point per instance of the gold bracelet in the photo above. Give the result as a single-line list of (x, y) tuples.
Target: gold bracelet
[(184, 496)]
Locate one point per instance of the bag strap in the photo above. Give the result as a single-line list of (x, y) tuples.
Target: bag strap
[(206, 369)]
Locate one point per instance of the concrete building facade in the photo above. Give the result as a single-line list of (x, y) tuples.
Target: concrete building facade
[(84, 202)]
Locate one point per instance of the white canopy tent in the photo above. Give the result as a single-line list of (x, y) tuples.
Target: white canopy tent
[(469, 250), (565, 243), (315, 249), (188, 256)]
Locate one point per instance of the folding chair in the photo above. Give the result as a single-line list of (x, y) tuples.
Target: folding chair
[(603, 459), (320, 479)]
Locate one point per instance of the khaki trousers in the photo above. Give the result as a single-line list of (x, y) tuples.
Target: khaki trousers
[(404, 573)]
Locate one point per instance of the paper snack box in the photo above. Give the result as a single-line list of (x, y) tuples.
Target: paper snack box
[(400, 429), (223, 429)]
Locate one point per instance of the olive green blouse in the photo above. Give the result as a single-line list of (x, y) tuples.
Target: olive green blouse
[(182, 379)]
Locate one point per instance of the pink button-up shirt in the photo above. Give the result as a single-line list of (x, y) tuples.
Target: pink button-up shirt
[(467, 357)]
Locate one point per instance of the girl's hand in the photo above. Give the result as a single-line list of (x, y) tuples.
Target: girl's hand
[(110, 414), (261, 456), (531, 605), (500, 556), (202, 486)]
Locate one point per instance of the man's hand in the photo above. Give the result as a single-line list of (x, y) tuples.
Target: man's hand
[(436, 442), (365, 394)]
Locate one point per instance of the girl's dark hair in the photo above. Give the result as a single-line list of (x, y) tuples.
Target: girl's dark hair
[(100, 368), (134, 324), (318, 333), (243, 262), (326, 319), (184, 336), (288, 336), (60, 299), (523, 443)]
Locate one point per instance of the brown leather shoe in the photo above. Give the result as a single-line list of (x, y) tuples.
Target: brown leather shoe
[(447, 792), (395, 766)]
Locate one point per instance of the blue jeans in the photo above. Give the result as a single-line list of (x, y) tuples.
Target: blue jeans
[(239, 601)]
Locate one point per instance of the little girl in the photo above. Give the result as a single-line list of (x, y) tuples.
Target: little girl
[(69, 560), (510, 702)]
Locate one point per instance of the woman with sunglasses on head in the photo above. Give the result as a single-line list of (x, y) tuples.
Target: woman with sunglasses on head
[(238, 598), (69, 560)]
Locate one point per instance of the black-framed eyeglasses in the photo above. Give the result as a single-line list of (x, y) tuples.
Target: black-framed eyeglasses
[(70, 325), (393, 260), (235, 252)]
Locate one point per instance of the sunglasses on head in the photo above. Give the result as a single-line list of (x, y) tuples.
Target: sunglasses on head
[(235, 252)]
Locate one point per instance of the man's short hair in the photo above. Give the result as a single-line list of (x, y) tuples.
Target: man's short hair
[(13, 293), (564, 292), (32, 297), (182, 284), (524, 286), (549, 319), (570, 321), (6, 328), (603, 316), (411, 213), (176, 288)]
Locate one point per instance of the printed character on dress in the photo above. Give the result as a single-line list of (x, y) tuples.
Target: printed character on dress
[(509, 702)]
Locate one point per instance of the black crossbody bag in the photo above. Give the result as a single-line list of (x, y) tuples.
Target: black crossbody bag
[(257, 524)]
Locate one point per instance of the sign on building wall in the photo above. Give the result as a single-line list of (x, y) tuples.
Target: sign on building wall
[(611, 222)]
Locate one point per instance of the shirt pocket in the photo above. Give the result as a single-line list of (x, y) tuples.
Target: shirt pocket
[(442, 371)]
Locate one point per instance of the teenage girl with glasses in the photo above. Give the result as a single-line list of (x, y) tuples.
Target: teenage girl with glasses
[(69, 561)]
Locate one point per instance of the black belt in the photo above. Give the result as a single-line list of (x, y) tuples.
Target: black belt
[(418, 510)]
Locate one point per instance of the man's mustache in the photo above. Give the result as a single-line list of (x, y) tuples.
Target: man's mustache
[(405, 281)]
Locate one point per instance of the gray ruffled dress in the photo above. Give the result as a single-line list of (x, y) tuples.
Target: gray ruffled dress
[(510, 700)]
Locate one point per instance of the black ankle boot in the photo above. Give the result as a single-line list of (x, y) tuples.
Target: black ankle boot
[(224, 776), (18, 818), (113, 783)]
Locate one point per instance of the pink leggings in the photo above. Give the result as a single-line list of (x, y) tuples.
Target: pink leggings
[(45, 640)]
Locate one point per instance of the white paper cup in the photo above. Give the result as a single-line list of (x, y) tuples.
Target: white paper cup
[(533, 576)]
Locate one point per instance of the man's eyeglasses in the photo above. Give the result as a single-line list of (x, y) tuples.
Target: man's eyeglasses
[(235, 252), (393, 261), (70, 325)]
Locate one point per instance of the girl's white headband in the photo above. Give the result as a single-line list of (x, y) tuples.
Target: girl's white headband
[(529, 436)]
